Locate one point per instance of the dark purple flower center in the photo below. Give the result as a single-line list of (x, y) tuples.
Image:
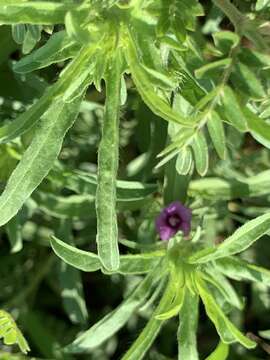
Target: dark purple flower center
[(174, 221)]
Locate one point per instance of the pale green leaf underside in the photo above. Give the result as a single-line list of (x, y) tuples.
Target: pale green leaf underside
[(87, 261), (115, 320)]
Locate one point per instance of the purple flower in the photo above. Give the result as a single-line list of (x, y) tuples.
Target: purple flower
[(173, 218)]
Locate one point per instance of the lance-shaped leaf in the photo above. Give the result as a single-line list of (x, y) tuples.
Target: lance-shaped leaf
[(225, 328), (200, 150), (58, 48), (157, 104), (176, 284), (184, 161), (186, 335), (231, 110), (39, 157), (247, 81), (258, 127), (241, 239), (146, 338), (82, 260), (214, 277), (115, 320), (87, 261), (72, 82), (34, 12), (107, 229), (26, 120), (216, 132), (241, 270)]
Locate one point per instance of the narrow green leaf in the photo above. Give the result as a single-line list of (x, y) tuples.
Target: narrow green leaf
[(241, 239), (186, 335), (139, 263), (212, 69), (107, 230), (220, 353), (200, 151), (73, 25), (225, 40), (82, 260), (207, 98), (160, 79), (39, 157), (25, 121), (223, 285), (157, 104), (58, 48), (217, 134), (225, 328), (241, 270), (142, 344), (231, 110), (179, 140), (87, 261), (184, 161), (115, 320), (258, 127), (34, 12), (72, 82), (247, 81), (175, 306)]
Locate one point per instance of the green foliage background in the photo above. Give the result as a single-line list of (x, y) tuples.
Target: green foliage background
[(172, 103)]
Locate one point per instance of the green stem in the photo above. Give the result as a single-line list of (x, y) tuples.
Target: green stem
[(146, 338)]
